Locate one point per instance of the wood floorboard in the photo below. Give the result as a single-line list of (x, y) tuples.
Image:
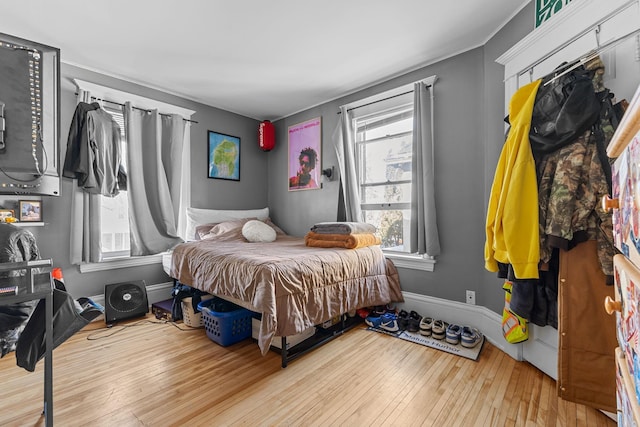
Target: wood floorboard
[(150, 373)]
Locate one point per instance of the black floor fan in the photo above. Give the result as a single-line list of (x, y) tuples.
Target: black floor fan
[(125, 300)]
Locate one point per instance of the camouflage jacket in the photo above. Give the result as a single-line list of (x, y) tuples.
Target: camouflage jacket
[(572, 181)]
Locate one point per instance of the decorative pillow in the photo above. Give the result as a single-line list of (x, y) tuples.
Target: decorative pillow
[(227, 230), (257, 231), (203, 230), (197, 216)]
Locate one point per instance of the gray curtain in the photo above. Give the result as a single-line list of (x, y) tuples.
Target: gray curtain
[(343, 138), (423, 204), (155, 146), (85, 233)]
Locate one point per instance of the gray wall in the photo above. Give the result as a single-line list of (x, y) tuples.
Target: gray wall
[(469, 106), (249, 192), (469, 98)]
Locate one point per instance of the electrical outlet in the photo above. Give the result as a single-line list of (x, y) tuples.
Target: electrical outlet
[(471, 297)]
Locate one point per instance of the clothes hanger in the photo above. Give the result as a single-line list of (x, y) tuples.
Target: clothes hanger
[(580, 61), (591, 55)]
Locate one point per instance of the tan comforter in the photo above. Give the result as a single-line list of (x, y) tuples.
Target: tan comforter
[(294, 286)]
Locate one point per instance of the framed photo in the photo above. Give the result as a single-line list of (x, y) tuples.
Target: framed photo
[(30, 210), (224, 156), (305, 144)]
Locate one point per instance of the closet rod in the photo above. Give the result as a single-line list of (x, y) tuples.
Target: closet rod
[(574, 38), (593, 54), (136, 108)]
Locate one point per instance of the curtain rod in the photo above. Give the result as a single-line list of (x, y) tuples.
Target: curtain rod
[(136, 108), (380, 100)]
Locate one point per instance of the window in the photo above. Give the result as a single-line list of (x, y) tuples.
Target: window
[(383, 158), (114, 224), (114, 211), (385, 172)]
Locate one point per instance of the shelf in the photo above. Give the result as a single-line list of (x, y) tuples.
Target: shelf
[(29, 224)]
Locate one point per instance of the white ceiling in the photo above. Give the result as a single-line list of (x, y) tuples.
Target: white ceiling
[(262, 59)]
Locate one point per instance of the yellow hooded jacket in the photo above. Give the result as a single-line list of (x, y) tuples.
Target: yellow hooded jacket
[(512, 216)]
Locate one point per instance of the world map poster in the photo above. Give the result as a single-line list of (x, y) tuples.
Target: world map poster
[(224, 156)]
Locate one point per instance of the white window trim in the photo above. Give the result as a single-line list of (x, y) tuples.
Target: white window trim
[(121, 263), (390, 93), (412, 261), (104, 92)]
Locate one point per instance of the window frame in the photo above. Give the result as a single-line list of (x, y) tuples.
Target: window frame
[(380, 119)]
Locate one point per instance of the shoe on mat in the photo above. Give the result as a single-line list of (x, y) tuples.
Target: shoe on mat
[(439, 329), (373, 320), (389, 322), (403, 320), (470, 337), (414, 322), (452, 334), (426, 324)]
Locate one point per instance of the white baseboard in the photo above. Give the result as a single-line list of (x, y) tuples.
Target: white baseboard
[(487, 321), (155, 293)]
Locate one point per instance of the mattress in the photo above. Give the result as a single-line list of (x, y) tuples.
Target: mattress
[(292, 285)]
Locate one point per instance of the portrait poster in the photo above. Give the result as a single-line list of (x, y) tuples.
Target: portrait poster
[(224, 156), (305, 144)]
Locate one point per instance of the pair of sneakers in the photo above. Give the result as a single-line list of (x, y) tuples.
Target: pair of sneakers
[(465, 335), (439, 329), (426, 326), (409, 321), (387, 321), (430, 327)]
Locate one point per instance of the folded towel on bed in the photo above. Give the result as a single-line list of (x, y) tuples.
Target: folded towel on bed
[(348, 241), (343, 228)]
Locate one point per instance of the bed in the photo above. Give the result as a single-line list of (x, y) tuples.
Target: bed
[(292, 286)]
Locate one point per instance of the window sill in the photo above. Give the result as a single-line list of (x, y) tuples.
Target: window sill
[(415, 262), (121, 263)]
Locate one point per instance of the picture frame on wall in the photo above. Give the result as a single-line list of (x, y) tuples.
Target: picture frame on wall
[(30, 210), (305, 150), (223, 156)]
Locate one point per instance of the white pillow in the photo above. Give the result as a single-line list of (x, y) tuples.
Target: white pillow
[(257, 231), (197, 216)]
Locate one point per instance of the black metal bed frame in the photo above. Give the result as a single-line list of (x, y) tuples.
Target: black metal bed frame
[(321, 337)]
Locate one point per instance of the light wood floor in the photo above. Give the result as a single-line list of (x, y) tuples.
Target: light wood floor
[(151, 374)]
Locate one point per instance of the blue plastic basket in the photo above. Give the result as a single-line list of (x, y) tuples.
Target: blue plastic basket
[(226, 328)]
